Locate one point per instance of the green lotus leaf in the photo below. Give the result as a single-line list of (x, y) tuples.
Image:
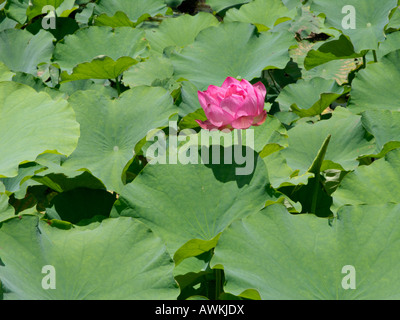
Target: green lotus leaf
[(376, 183), (394, 22), (384, 125), (214, 56), (180, 31), (23, 51), (149, 71), (6, 22), (335, 49), (303, 257), (280, 174), (5, 73), (20, 182), (111, 128), (119, 19), (47, 171), (392, 43), (349, 141), (370, 19), (91, 42), (6, 210), (16, 10), (377, 78), (195, 248), (37, 84), (61, 179), (190, 100), (102, 67), (291, 4), (338, 70), (134, 9), (100, 85), (309, 98), (116, 259), (85, 15), (329, 64), (214, 195), (265, 14), (306, 24), (54, 129)]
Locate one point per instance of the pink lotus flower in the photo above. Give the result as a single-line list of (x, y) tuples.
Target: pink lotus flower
[(234, 105)]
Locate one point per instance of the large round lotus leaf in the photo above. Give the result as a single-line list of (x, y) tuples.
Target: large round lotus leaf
[(214, 55), (219, 5), (295, 257), (179, 31), (373, 89), (132, 8), (376, 183), (309, 98), (212, 197), (110, 129), (54, 127), (263, 13), (348, 142), (89, 43), (22, 51), (370, 18), (117, 259)]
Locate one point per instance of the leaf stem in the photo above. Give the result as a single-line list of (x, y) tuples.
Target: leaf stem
[(118, 86), (375, 56), (315, 194), (218, 283), (277, 87)]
